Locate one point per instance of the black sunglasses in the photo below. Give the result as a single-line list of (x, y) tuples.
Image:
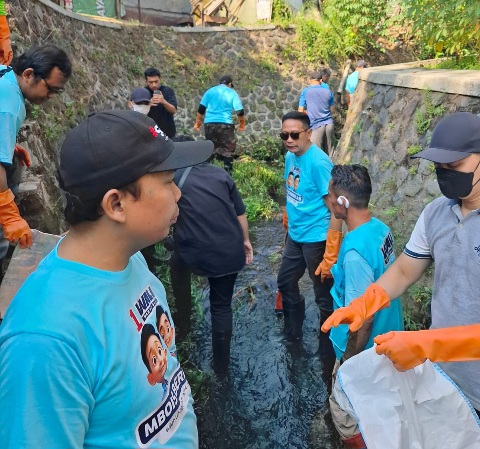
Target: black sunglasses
[(53, 90), (294, 136)]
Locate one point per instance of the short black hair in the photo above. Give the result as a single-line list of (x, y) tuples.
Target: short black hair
[(147, 331), (77, 210), (352, 181), (151, 71), (43, 59), (295, 115), (325, 71)]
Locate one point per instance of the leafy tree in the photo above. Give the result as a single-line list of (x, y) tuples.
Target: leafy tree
[(446, 26)]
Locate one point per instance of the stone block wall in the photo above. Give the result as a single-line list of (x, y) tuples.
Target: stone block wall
[(109, 58)]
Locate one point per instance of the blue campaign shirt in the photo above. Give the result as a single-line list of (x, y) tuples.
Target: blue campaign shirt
[(307, 178), (365, 254), (352, 81), (220, 102), (71, 362), (12, 114), (317, 100)]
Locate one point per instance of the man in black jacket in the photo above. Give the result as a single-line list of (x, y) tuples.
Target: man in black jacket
[(210, 239)]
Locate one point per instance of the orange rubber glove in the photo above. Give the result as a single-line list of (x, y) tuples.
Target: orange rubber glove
[(332, 247), (242, 125), (6, 54), (22, 155), (15, 228), (409, 349), (198, 122), (359, 310), (285, 219)]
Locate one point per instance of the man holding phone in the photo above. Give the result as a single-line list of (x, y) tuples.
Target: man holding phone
[(163, 102)]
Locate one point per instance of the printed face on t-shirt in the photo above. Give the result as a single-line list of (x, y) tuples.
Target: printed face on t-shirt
[(157, 360), (165, 330)]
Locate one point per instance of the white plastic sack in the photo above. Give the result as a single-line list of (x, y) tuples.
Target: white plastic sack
[(417, 409)]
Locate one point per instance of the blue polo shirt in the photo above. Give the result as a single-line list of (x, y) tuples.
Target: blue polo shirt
[(317, 100), (220, 101), (12, 114)]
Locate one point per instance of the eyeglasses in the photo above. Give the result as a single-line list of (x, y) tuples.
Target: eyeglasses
[(53, 90), (294, 135)]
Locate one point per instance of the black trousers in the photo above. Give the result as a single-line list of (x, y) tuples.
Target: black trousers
[(221, 292), (298, 257)]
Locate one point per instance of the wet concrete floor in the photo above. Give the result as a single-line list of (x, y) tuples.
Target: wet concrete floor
[(274, 397)]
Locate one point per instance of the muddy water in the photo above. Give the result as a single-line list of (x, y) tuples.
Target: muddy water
[(274, 397)]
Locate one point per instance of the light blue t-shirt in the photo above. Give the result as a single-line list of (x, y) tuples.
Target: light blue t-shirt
[(307, 178), (220, 102), (317, 100), (71, 367), (352, 82), (12, 114), (365, 254)]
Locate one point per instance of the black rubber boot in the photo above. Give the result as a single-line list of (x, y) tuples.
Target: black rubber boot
[(327, 371), (221, 352), (293, 316)]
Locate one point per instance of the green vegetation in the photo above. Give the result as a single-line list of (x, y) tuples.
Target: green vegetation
[(387, 164), (467, 63), (256, 182), (348, 28), (414, 149), (446, 27), (416, 309), (424, 116)]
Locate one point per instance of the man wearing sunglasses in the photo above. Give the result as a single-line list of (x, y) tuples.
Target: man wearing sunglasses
[(37, 75), (314, 233)]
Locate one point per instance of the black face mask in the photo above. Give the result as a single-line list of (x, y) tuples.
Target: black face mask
[(455, 184)]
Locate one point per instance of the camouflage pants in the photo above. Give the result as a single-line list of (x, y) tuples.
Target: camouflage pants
[(223, 137)]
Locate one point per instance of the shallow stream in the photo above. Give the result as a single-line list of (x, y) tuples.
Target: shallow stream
[(274, 397)]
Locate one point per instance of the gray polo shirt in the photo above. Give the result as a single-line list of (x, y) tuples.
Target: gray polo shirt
[(453, 242)]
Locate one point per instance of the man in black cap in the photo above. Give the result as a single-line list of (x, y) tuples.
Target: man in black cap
[(447, 232), (84, 308), (218, 103)]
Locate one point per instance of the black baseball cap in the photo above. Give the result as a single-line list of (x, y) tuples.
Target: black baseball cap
[(455, 137), (111, 149), (226, 79), (315, 75)]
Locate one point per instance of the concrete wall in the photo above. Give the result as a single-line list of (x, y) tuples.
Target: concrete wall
[(393, 113)]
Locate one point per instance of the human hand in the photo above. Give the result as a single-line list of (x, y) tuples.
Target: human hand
[(285, 220), (248, 252), (6, 54), (359, 310), (157, 98), (400, 347), (198, 122), (241, 123), (330, 256), (22, 155), (15, 228)]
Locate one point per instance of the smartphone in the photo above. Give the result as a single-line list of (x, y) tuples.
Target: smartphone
[(157, 92)]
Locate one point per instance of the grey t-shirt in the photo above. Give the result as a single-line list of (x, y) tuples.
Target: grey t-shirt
[(453, 242)]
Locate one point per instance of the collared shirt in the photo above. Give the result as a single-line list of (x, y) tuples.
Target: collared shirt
[(452, 240)]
